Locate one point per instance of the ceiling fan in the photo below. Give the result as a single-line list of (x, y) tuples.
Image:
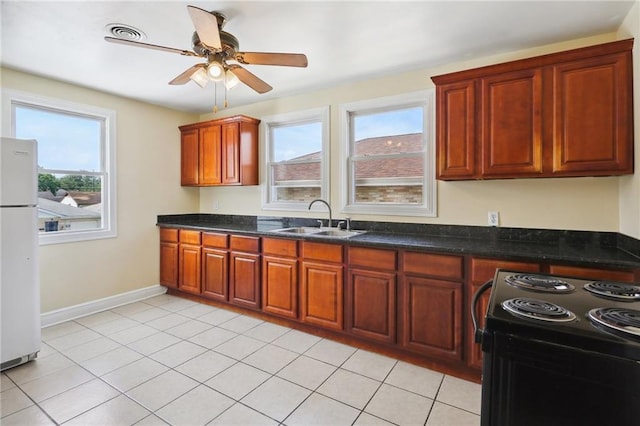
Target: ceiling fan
[(218, 48)]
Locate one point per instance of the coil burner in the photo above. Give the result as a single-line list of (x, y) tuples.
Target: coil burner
[(537, 310), (614, 290)]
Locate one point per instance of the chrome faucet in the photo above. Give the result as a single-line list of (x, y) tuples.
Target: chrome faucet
[(328, 206)]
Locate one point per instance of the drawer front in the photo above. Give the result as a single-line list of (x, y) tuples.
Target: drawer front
[(485, 269), (169, 235), (245, 243), (437, 265), (280, 247), (215, 240), (372, 258), (592, 273), (322, 251), (190, 237)]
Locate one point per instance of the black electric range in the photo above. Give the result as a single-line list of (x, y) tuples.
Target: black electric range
[(560, 350)]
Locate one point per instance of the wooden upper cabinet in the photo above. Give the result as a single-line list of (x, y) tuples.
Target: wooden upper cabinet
[(511, 123), (456, 130), (210, 149), (189, 155), (562, 114), (592, 122), (230, 166), (220, 152)]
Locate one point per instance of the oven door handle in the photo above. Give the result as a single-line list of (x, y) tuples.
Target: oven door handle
[(478, 333)]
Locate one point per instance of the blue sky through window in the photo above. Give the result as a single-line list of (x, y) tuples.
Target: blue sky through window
[(388, 123), (65, 141)]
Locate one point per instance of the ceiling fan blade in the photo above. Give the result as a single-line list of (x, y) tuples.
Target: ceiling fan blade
[(185, 77), (206, 26), (149, 46), (250, 79), (264, 58)]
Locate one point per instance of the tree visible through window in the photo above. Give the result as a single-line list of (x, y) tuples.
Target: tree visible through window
[(75, 199)]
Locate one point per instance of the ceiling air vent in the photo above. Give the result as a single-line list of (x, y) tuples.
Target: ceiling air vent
[(125, 32)]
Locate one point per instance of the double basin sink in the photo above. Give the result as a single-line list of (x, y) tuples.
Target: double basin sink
[(320, 232)]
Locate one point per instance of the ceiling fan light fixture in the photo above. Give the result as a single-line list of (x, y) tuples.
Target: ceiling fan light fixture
[(231, 80), (200, 77), (215, 71)]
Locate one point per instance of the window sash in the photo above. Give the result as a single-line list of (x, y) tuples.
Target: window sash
[(273, 196), (350, 203), (107, 119)]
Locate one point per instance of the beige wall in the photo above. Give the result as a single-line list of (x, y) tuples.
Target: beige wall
[(569, 203), (630, 185), (148, 176)]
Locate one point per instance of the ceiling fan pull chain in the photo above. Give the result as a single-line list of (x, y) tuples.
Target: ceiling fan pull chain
[(225, 90), (215, 97)]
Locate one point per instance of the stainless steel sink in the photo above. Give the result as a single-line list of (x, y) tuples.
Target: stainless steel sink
[(300, 230), (320, 232), (338, 233)]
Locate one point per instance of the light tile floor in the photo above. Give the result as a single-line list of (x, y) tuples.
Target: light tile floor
[(168, 360)]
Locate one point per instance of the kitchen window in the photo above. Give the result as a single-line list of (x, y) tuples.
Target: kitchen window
[(76, 182), (387, 157), (297, 162)]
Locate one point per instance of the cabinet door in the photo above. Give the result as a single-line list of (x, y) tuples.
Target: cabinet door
[(210, 155), (432, 320), (280, 286), (511, 123), (189, 268), (169, 264), (189, 157), (214, 274), (456, 132), (592, 125), (482, 270), (371, 299), (244, 279), (231, 153), (321, 295)]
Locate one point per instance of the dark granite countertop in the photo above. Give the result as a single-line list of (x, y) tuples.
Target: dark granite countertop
[(570, 247)]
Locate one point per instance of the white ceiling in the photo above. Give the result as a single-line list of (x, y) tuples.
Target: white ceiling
[(344, 41)]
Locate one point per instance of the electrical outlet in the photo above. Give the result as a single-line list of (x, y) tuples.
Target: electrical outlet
[(494, 218), (216, 205)]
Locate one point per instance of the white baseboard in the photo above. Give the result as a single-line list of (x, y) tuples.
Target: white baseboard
[(72, 312)]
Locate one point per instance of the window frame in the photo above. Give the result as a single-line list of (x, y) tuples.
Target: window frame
[(13, 98), (424, 99), (292, 118)]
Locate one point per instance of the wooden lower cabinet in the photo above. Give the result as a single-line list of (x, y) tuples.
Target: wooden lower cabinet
[(169, 257), (215, 273), (371, 294), (244, 271), (432, 303), (215, 266), (413, 303), (372, 302), (280, 277), (189, 257), (432, 317), (322, 285), (482, 270)]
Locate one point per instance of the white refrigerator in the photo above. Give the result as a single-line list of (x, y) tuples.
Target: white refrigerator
[(19, 285)]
